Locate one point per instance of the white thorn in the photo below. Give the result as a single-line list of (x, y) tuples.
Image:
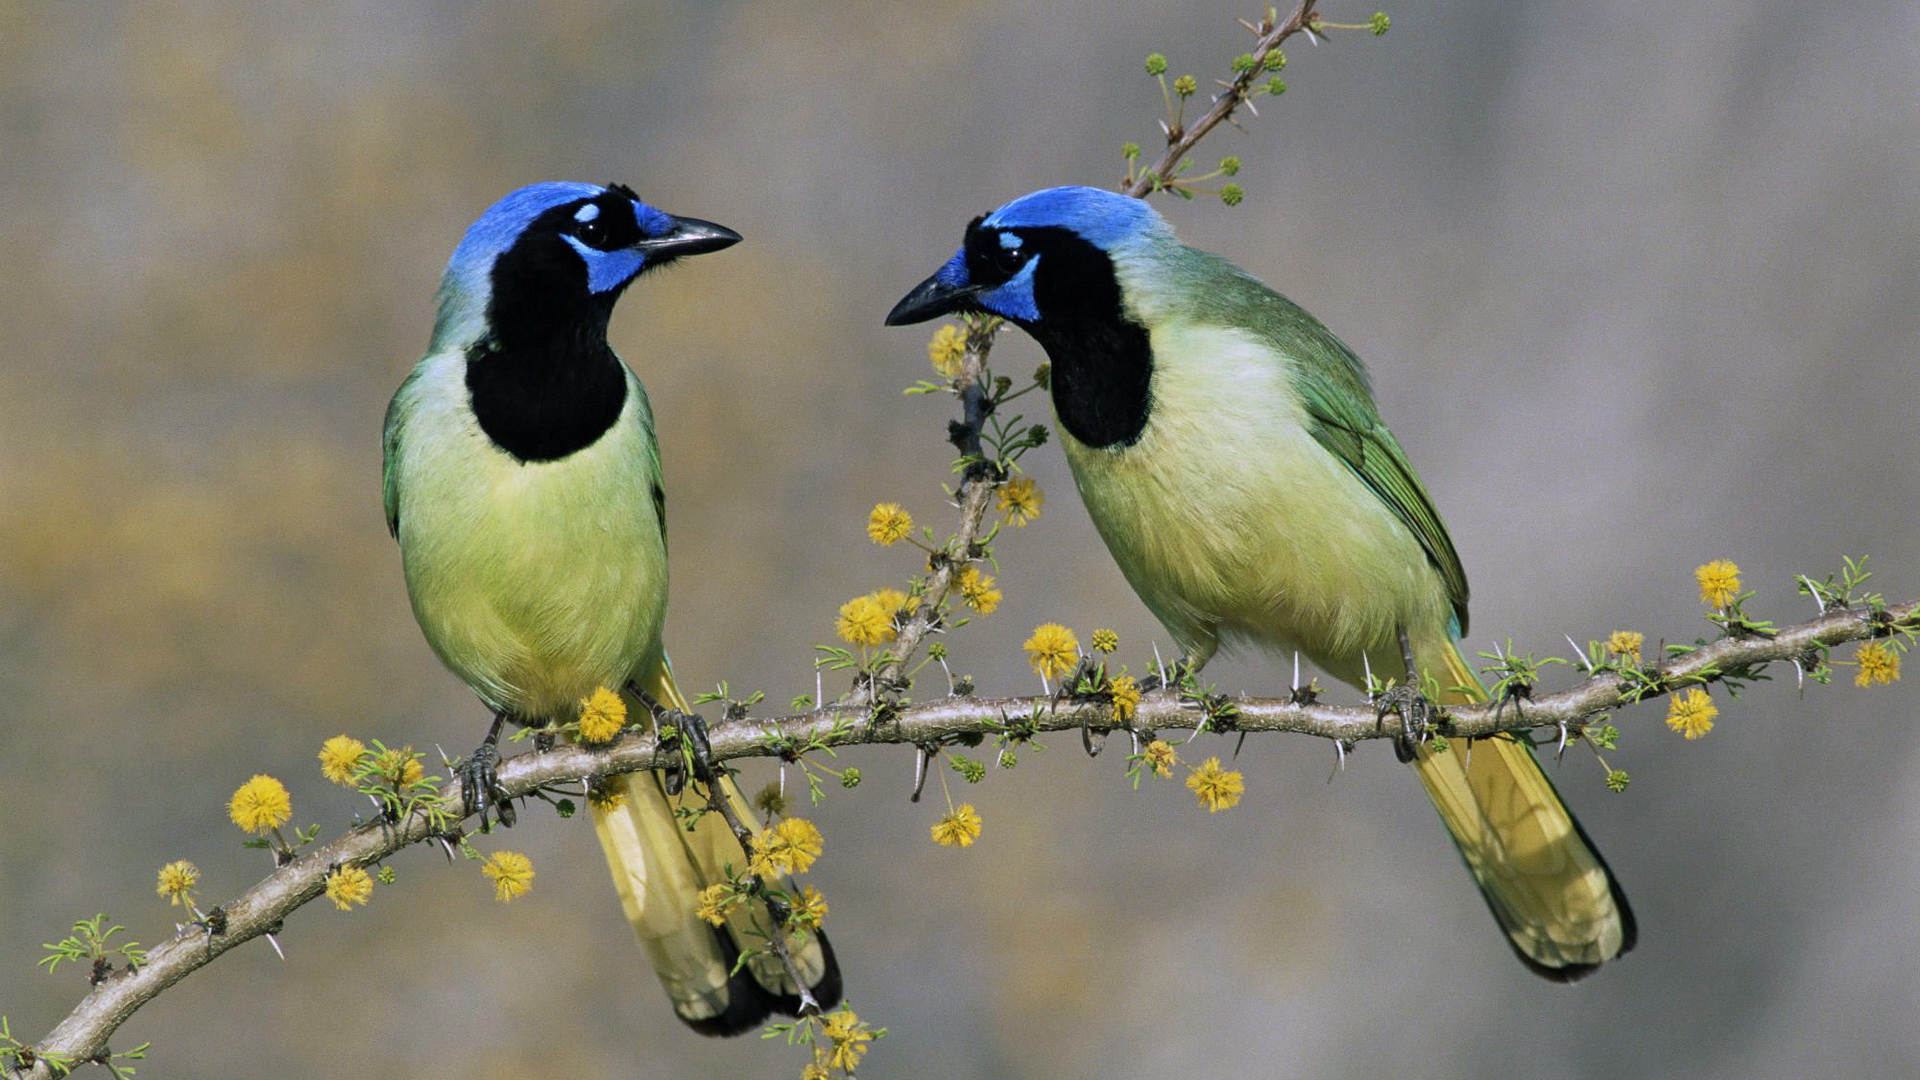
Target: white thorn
[(1579, 653), (1159, 665), (1368, 663), (1296, 669), (275, 942)]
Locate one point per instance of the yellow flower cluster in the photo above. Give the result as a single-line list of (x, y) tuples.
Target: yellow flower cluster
[(1719, 583), (261, 805), (1215, 788), (339, 757), (1879, 663), (893, 601), (177, 880), (400, 767), (1052, 650), (349, 885), (1691, 713), (948, 350), (959, 828), (864, 621), (602, 715), (978, 590), (511, 873), (714, 902), (1626, 643), (848, 1038), (809, 910), (1125, 690), (1105, 641), (1160, 757), (889, 524), (789, 847), (1021, 500)]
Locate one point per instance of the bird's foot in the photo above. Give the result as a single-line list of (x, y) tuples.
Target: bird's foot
[(1417, 712), (686, 732), (480, 789)]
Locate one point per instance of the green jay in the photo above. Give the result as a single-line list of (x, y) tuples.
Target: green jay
[(1228, 449), (523, 484)]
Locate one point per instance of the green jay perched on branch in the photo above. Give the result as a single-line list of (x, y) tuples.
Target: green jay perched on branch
[(523, 484), (1229, 451)]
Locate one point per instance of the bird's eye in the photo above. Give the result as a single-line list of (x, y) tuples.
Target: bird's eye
[(593, 233), (1008, 260)]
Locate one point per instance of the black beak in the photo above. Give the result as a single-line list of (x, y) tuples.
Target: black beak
[(931, 299), (689, 236)]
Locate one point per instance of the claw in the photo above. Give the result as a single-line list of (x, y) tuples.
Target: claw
[(479, 772), (1416, 713)]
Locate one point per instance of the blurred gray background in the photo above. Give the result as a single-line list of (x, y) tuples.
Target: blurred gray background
[(1639, 283)]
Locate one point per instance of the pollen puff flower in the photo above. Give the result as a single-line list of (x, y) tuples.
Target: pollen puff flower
[(978, 590), (1021, 500), (1105, 641), (809, 910), (177, 880), (602, 715), (261, 805), (1879, 663), (1161, 757), (849, 1037), (1691, 713), (888, 524), (789, 847), (959, 828), (948, 350), (714, 902), (511, 872), (1052, 650), (1719, 583), (1626, 643), (1215, 788), (349, 885), (864, 621), (400, 767), (1125, 691), (339, 757)]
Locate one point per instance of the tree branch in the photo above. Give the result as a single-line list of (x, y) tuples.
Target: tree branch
[(83, 1035)]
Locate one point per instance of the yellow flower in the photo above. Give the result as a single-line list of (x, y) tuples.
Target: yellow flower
[(261, 805), (959, 828), (177, 880), (349, 885), (714, 902), (1626, 643), (978, 590), (1161, 757), (789, 847), (1879, 663), (809, 910), (816, 1071), (863, 621), (512, 874), (602, 715), (1052, 650), (339, 757), (1719, 583), (948, 350), (1691, 713), (893, 601), (1126, 697), (399, 767), (1215, 788), (889, 524), (849, 1037), (1021, 500), (1105, 641)]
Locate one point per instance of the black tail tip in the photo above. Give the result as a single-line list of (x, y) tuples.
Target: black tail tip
[(749, 1004)]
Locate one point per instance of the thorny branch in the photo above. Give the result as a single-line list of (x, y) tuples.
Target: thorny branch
[(83, 1035)]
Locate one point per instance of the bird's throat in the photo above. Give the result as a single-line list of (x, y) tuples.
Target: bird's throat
[(1102, 375), (544, 401)]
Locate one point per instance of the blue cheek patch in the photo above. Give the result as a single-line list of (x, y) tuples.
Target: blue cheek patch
[(607, 269), (1014, 299)]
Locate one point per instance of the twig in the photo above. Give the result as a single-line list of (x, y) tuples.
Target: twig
[(777, 940)]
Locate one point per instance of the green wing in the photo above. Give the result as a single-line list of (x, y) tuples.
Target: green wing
[(390, 446), (1339, 403)]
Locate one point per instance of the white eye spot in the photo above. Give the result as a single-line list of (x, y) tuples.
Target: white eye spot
[(1010, 241), (586, 213)]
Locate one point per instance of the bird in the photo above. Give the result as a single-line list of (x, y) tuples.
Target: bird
[(1230, 453), (522, 480)]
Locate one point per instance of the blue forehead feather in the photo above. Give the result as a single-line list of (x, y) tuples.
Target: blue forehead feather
[(1106, 219)]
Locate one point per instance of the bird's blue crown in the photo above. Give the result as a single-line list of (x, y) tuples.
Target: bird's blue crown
[(1105, 219)]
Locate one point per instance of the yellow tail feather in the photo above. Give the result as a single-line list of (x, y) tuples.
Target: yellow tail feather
[(659, 868), (1548, 888)]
